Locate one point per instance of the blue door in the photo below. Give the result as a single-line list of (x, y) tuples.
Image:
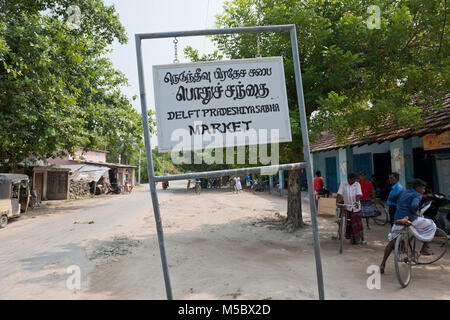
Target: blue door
[(363, 163), (331, 174)]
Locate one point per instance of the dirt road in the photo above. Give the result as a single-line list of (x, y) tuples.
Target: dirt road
[(217, 248), (38, 248)]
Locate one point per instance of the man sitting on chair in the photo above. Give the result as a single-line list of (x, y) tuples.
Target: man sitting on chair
[(319, 186), (408, 213)]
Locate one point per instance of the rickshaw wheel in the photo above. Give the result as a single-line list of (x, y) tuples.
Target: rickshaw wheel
[(3, 221)]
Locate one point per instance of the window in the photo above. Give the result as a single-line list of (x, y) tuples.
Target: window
[(15, 191)]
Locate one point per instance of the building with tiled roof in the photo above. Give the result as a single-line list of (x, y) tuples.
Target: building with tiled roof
[(420, 152)]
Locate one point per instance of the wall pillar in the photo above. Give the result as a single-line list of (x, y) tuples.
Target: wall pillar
[(345, 163), (402, 160), (281, 178), (44, 186), (315, 163), (68, 185), (409, 163)]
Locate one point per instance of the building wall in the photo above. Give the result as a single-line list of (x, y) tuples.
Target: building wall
[(51, 184), (95, 156), (319, 160), (417, 142), (372, 148), (443, 173), (133, 176), (58, 185), (90, 156), (401, 151)]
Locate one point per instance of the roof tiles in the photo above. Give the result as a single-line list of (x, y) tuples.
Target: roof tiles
[(438, 120)]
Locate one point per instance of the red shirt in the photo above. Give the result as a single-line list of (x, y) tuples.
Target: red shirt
[(318, 183), (366, 186)]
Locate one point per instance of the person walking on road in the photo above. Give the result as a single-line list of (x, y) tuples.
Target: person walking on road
[(233, 184), (238, 184), (249, 180)]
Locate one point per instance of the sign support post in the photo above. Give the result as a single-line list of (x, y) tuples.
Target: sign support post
[(307, 154), (301, 105), (151, 173)]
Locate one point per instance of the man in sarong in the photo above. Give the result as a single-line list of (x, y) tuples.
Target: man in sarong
[(368, 198), (350, 192), (407, 211)]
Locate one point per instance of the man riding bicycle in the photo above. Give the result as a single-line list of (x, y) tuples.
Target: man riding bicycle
[(408, 213)]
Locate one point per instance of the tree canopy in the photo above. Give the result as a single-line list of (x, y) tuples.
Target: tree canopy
[(355, 77), (58, 90), (360, 71)]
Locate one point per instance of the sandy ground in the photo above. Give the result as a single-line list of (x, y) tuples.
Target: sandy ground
[(38, 248), (217, 248)]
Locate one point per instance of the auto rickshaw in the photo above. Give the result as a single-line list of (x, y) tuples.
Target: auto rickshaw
[(14, 196)]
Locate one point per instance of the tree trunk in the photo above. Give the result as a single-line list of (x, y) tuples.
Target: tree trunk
[(294, 211)]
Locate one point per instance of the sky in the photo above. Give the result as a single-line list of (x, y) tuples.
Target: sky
[(148, 16)]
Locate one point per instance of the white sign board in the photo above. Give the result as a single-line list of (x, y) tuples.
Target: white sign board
[(217, 104)]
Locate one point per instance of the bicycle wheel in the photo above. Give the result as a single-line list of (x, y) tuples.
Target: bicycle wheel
[(381, 214), (438, 246), (342, 229), (402, 260)]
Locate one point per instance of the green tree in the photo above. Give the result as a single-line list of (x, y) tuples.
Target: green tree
[(355, 78), (58, 91), (162, 163)]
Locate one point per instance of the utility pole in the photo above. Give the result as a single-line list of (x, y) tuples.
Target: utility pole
[(139, 170)]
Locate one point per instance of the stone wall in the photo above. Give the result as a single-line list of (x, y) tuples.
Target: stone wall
[(79, 189)]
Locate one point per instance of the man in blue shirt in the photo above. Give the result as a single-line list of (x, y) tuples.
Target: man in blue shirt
[(396, 189), (408, 212), (408, 203), (249, 180)]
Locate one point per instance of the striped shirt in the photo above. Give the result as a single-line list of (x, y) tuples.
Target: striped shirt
[(349, 193)]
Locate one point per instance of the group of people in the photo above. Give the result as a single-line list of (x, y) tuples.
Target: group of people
[(235, 183), (359, 197)]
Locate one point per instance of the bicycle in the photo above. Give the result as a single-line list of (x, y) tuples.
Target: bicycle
[(381, 213), (260, 186), (341, 221), (33, 203), (197, 187), (405, 252)]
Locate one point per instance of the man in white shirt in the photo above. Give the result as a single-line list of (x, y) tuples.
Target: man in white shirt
[(349, 193)]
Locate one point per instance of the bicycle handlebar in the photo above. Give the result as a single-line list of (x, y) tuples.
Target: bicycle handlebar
[(347, 205)]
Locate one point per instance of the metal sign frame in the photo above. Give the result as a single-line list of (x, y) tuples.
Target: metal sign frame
[(301, 105)]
